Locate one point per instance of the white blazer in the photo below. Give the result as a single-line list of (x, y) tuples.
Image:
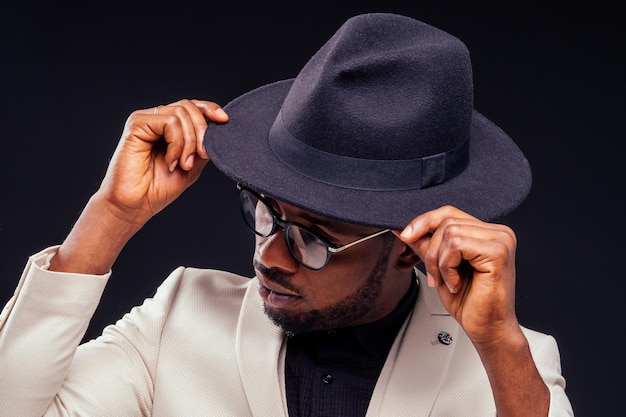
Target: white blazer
[(202, 346)]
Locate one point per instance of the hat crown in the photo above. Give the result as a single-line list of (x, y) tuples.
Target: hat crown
[(384, 87)]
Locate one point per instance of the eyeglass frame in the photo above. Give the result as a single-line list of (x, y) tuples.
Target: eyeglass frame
[(331, 248)]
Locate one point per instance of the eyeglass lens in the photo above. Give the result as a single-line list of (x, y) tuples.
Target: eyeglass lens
[(305, 246)]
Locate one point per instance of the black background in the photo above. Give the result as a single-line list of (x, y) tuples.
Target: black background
[(552, 77)]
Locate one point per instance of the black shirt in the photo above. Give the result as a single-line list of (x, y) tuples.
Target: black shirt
[(333, 373)]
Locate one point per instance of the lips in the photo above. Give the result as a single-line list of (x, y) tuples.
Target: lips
[(276, 296)]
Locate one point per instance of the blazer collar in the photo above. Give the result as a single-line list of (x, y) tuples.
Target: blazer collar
[(259, 342), (418, 361)]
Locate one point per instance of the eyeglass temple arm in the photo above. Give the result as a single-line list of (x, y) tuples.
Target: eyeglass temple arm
[(356, 242)]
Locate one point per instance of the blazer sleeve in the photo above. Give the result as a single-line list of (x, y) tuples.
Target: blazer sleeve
[(545, 352), (40, 327), (44, 371)]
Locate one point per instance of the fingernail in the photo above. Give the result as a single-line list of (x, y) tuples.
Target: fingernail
[(220, 112), (173, 165), (431, 280), (189, 161), (451, 288), (407, 231)]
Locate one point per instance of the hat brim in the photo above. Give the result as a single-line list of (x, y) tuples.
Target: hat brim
[(496, 180)]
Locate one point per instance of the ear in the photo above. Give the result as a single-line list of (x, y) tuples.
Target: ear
[(407, 259)]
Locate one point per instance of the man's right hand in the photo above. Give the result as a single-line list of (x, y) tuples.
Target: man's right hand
[(160, 154)]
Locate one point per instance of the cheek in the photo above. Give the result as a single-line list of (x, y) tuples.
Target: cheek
[(332, 284)]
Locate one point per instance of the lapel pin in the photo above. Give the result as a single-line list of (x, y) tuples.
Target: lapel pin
[(445, 338)]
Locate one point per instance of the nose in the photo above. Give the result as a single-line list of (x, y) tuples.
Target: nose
[(273, 252)]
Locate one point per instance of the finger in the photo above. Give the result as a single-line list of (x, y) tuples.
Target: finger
[(461, 249), (214, 113), (199, 111), (185, 136), (418, 233), (182, 121), (153, 126), (211, 111), (428, 235), (428, 222), (191, 123), (484, 263), (171, 128)]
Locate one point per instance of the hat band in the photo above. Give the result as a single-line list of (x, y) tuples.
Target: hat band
[(365, 174)]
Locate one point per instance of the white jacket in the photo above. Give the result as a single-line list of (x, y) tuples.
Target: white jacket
[(202, 346)]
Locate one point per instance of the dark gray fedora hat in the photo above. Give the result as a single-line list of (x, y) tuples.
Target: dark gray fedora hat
[(377, 128)]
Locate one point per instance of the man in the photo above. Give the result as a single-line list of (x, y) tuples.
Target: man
[(380, 288)]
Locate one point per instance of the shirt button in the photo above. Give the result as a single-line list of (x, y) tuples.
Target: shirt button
[(328, 378)]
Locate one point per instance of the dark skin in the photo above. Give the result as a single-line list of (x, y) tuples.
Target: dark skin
[(341, 278), (470, 262)]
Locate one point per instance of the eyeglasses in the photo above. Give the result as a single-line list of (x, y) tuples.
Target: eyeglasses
[(310, 250)]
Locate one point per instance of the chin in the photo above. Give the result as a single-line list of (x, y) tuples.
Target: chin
[(297, 323)]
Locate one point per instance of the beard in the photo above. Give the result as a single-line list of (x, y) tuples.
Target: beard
[(347, 312)]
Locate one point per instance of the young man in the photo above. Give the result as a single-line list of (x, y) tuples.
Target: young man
[(380, 288)]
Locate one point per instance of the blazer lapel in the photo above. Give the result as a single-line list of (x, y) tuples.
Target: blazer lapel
[(260, 357), (418, 361), (407, 386)]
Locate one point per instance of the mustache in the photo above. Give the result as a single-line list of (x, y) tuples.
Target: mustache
[(274, 275)]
